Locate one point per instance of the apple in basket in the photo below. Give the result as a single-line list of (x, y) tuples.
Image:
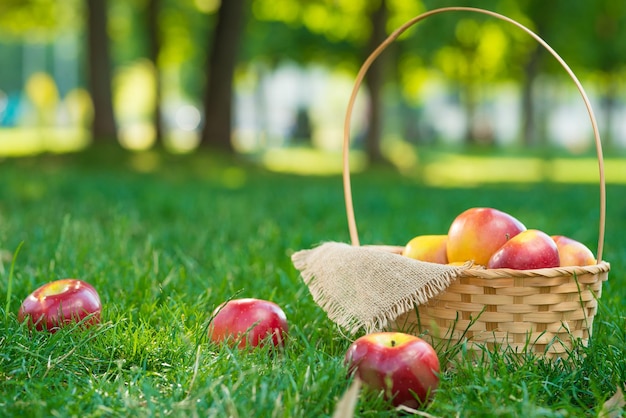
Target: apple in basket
[(403, 366), (530, 249), (572, 252), (249, 322), (477, 233), (431, 248), (60, 303)]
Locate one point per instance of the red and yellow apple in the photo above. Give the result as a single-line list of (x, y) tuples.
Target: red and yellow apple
[(249, 322), (530, 249), (572, 252), (431, 248), (477, 233), (59, 303), (403, 366)]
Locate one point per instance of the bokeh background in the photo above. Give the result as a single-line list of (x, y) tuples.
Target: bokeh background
[(261, 76)]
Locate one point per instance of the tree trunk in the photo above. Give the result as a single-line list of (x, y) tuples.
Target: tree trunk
[(154, 47), (218, 97), (100, 71), (609, 101), (531, 70), (470, 96), (374, 79), (469, 89)]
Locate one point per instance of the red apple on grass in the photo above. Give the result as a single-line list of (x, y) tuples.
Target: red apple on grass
[(477, 233), (59, 303), (249, 323), (530, 249), (572, 252), (404, 366), (431, 248)]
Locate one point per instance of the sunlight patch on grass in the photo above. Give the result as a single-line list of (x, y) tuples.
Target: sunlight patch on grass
[(15, 142), (401, 154), (233, 178), (469, 171), (310, 161), (452, 170), (456, 170), (586, 170), (145, 161)]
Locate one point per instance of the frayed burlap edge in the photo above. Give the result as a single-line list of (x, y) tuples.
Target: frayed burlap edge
[(367, 288)]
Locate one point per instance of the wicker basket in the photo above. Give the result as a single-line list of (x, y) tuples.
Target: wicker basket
[(546, 311)]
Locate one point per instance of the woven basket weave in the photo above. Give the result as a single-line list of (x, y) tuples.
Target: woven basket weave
[(545, 311)]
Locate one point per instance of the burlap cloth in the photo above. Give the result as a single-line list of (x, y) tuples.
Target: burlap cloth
[(362, 287)]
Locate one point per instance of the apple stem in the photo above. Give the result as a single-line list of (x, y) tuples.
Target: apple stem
[(393, 343)]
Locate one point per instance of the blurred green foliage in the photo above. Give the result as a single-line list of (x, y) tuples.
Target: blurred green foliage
[(336, 31), (467, 50)]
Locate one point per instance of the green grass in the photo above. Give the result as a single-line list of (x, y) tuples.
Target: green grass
[(165, 239)]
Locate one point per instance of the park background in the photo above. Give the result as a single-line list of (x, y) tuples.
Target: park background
[(252, 76), (175, 154)]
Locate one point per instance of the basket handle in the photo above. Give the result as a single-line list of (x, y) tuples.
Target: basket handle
[(354, 236)]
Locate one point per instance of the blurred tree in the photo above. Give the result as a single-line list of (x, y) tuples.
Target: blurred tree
[(218, 96), (608, 43), (20, 16), (474, 51), (99, 67), (153, 8), (374, 80), (469, 50), (473, 56), (339, 34), (316, 31), (27, 29), (595, 41), (544, 19)]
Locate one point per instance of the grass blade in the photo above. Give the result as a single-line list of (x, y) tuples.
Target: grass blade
[(10, 282)]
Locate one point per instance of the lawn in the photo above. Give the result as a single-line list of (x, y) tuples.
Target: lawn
[(165, 239)]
